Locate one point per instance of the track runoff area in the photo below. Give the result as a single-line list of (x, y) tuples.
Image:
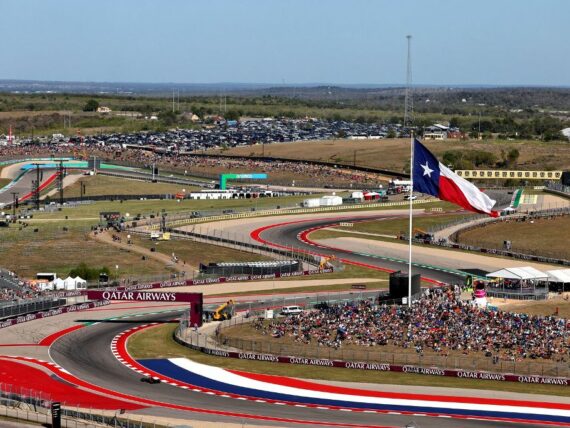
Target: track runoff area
[(95, 358)]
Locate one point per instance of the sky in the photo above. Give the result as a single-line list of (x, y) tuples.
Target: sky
[(454, 42)]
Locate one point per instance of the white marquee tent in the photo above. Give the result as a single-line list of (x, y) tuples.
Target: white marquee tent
[(519, 273), (559, 275), (80, 282)]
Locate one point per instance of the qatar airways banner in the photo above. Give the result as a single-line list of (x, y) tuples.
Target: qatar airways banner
[(433, 371), (194, 299), (145, 296), (52, 312)]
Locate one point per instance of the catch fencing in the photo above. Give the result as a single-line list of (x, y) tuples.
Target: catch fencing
[(188, 218), (12, 309)]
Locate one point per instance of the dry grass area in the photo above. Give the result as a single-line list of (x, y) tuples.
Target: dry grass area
[(105, 185), (51, 249), (393, 154), (27, 113), (548, 237), (194, 253), (559, 304), (157, 342), (4, 181)]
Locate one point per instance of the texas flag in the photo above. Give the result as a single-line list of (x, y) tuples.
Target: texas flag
[(434, 178)]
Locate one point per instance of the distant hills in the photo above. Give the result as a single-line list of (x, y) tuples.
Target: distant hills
[(427, 98)]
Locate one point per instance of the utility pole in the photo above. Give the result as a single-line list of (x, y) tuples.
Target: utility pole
[(173, 101), (409, 102), (82, 189), (14, 205)]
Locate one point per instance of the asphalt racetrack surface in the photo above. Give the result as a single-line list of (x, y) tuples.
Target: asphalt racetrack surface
[(287, 235)]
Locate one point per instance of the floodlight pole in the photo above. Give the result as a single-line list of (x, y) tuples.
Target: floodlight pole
[(14, 204), (410, 224), (60, 182), (408, 119)]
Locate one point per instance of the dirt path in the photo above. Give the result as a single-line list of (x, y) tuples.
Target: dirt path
[(107, 238)]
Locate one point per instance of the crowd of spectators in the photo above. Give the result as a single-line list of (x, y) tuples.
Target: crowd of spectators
[(440, 321), (198, 165)]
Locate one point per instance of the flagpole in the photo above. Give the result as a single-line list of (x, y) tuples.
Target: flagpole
[(410, 230)]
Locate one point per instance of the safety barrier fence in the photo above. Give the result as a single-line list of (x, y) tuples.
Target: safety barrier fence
[(558, 188), (190, 219), (242, 244), (28, 405), (216, 280), (219, 343)]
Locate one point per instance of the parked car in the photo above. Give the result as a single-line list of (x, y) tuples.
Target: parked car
[(291, 310)]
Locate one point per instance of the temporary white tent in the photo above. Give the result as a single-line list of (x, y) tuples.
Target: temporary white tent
[(58, 284), (80, 282), (69, 283), (559, 275), (519, 273)]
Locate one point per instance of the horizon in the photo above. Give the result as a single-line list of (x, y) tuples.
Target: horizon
[(270, 85)]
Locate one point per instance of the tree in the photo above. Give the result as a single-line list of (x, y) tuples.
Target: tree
[(512, 157), (454, 122), (167, 117), (91, 105), (232, 115)]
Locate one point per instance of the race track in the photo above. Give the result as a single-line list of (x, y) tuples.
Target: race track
[(287, 234), (86, 353)]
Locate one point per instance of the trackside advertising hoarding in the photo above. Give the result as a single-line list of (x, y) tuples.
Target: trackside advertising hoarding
[(52, 312), (385, 367)]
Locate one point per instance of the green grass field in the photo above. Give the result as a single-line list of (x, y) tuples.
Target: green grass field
[(157, 342), (389, 227), (170, 206)]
